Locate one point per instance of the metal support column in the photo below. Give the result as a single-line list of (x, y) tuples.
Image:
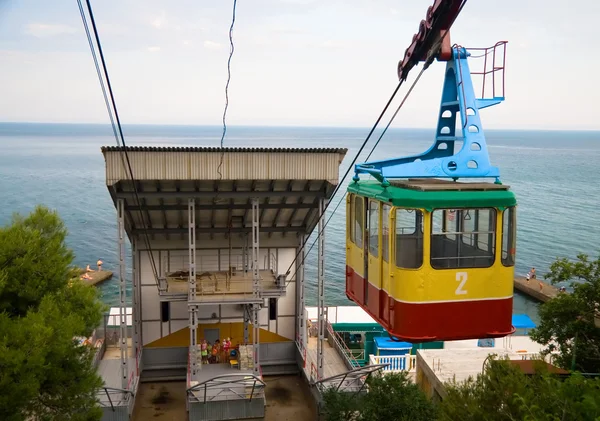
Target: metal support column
[(301, 321), (255, 283), (246, 323), (122, 293), (321, 291), (193, 309), (245, 253), (255, 337), (134, 309)]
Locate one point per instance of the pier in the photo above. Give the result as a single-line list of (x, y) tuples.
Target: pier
[(96, 276), (532, 288)]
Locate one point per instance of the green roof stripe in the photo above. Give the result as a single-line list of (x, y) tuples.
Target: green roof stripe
[(430, 200)]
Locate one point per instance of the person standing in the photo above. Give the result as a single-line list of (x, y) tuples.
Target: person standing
[(226, 348), (204, 352)]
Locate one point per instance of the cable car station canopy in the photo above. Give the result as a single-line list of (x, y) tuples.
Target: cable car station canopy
[(288, 182)]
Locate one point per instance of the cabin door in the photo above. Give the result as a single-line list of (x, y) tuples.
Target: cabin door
[(373, 284)]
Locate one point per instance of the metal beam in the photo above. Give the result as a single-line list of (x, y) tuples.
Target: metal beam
[(255, 339), (301, 205), (322, 188), (227, 194), (299, 275), (262, 211), (212, 209), (143, 206), (134, 310), (252, 187), (219, 230), (255, 249), (246, 322), (114, 190), (283, 201), (239, 206), (193, 309), (162, 203), (255, 283), (180, 216), (321, 291), (230, 209), (122, 294)]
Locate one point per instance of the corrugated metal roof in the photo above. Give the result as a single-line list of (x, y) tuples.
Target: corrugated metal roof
[(210, 164), (213, 149), (287, 182)]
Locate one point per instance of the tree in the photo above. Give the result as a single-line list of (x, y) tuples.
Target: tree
[(390, 397), (567, 322), (504, 392), (44, 373)]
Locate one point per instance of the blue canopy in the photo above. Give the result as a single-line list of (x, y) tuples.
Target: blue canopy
[(522, 321), (383, 342)]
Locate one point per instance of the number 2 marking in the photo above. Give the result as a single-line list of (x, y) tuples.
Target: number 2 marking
[(462, 278)]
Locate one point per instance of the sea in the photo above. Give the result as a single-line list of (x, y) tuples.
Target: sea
[(553, 173)]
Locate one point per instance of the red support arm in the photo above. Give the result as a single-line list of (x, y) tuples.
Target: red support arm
[(440, 17)]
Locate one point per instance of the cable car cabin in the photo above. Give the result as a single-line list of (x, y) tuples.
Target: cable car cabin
[(432, 260)]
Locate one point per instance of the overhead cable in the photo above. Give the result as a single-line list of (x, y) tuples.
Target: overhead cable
[(115, 122)]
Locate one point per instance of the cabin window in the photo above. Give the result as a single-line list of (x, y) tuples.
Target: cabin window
[(409, 238), (385, 232), (509, 236), (374, 228), (477, 228), (357, 224), (463, 238)]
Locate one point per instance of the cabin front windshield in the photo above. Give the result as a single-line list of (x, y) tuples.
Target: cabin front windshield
[(463, 238)]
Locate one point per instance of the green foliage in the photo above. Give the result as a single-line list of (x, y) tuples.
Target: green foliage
[(340, 406), (44, 374), (567, 321), (390, 397), (504, 392)]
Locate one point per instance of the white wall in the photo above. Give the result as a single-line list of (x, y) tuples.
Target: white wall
[(175, 257)]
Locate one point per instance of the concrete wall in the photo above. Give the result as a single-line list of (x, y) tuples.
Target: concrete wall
[(427, 380)]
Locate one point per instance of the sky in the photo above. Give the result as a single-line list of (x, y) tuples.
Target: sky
[(296, 62)]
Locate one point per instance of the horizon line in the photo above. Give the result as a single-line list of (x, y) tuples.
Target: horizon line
[(281, 126)]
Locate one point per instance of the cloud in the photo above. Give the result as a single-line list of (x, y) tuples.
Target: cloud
[(160, 21), (394, 11), (212, 45), (45, 30), (153, 49), (112, 29), (285, 29), (333, 44), (301, 2)]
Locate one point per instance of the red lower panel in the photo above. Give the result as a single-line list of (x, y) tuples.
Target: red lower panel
[(452, 320), (373, 300), (384, 308), (436, 321), (355, 286)]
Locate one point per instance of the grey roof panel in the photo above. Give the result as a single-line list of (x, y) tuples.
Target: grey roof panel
[(214, 149)]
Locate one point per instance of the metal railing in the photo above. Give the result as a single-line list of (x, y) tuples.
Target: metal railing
[(227, 387), (270, 262), (112, 397), (491, 70), (221, 276), (221, 262), (395, 363), (342, 348)]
